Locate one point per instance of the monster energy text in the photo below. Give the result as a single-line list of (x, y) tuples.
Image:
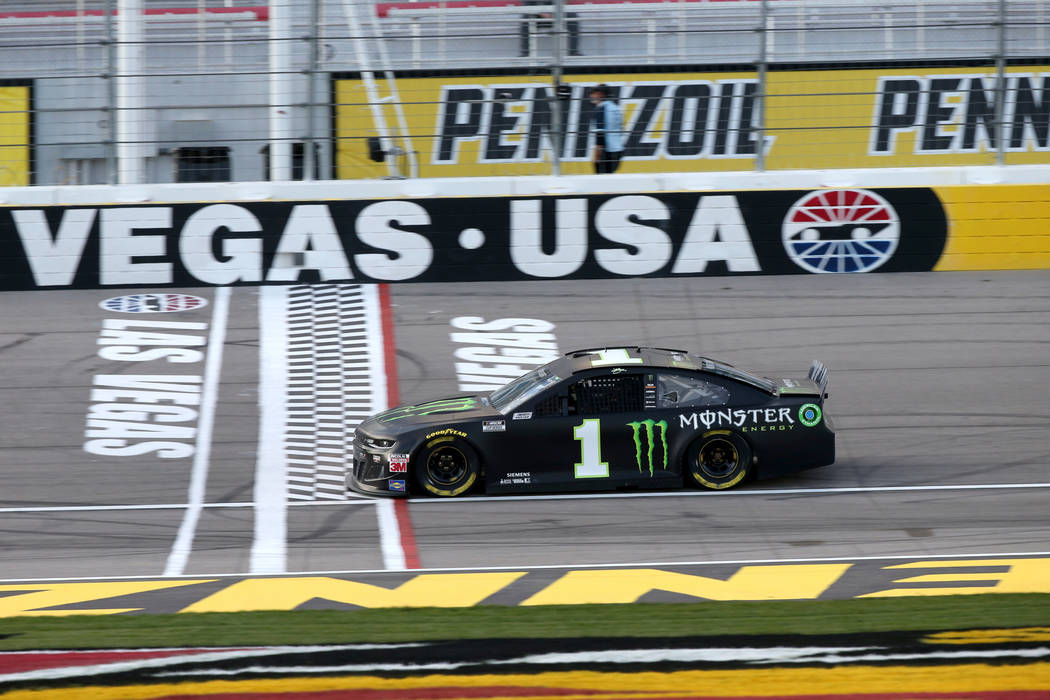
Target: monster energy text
[(649, 424), (755, 418)]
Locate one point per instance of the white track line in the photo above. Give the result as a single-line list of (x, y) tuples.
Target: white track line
[(720, 494), (183, 545), (269, 553), (365, 500), (390, 536), (179, 506), (962, 556)]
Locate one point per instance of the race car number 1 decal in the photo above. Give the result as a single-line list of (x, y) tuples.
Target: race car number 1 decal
[(590, 465)]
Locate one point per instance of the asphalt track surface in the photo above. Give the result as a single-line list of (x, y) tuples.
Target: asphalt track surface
[(938, 387)]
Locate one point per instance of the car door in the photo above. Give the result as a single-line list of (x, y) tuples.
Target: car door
[(694, 403), (679, 395), (589, 433)]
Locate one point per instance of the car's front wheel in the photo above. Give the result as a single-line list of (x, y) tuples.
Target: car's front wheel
[(447, 466), (719, 459)]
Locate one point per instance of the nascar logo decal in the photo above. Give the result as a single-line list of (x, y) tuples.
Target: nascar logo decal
[(841, 231), (153, 303)]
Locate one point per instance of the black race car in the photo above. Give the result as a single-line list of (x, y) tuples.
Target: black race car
[(597, 419)]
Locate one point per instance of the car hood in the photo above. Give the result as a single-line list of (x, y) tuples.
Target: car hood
[(431, 413)]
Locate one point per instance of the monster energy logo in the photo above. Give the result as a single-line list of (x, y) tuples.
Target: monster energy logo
[(649, 424), (425, 409)]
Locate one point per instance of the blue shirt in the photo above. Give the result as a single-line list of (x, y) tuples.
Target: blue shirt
[(608, 124)]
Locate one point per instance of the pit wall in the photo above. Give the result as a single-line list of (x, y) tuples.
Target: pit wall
[(578, 227)]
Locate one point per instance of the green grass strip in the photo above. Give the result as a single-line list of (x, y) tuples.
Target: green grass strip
[(419, 624)]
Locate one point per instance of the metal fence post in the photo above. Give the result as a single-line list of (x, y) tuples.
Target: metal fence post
[(556, 73), (311, 89), (282, 89), (111, 94), (1000, 91), (760, 107)]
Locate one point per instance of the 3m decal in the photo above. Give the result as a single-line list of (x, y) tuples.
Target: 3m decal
[(649, 429), (398, 463), (589, 435), (809, 414), (153, 303)]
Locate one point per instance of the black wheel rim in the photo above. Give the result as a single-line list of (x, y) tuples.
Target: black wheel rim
[(446, 466), (718, 458)]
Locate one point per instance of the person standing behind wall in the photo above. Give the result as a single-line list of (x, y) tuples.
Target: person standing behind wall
[(607, 122)]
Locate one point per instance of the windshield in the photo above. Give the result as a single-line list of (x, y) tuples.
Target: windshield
[(512, 394), (740, 375)]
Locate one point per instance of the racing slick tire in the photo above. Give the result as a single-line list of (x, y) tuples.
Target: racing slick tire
[(719, 459), (447, 467)]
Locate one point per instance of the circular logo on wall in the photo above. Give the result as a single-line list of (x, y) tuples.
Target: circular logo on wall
[(153, 303), (841, 231)]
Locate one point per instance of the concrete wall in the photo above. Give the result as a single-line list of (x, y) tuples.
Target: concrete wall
[(526, 228)]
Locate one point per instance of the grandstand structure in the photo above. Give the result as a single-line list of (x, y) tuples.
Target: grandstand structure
[(154, 91)]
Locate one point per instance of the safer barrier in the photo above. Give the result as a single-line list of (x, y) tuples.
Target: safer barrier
[(524, 229)]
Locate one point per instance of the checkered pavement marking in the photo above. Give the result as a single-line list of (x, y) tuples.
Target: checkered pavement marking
[(333, 376)]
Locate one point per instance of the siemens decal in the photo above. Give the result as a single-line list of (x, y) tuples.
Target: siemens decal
[(457, 240)]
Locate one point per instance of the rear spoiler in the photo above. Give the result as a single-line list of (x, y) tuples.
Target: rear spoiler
[(819, 374)]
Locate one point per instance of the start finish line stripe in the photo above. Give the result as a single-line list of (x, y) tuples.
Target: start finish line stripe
[(269, 553), (326, 353)]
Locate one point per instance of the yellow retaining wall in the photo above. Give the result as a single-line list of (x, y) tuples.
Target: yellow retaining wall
[(996, 227)]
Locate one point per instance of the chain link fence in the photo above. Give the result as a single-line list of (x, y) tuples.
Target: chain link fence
[(142, 91)]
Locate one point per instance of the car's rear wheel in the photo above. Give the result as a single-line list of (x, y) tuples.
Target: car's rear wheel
[(719, 459), (447, 466)]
